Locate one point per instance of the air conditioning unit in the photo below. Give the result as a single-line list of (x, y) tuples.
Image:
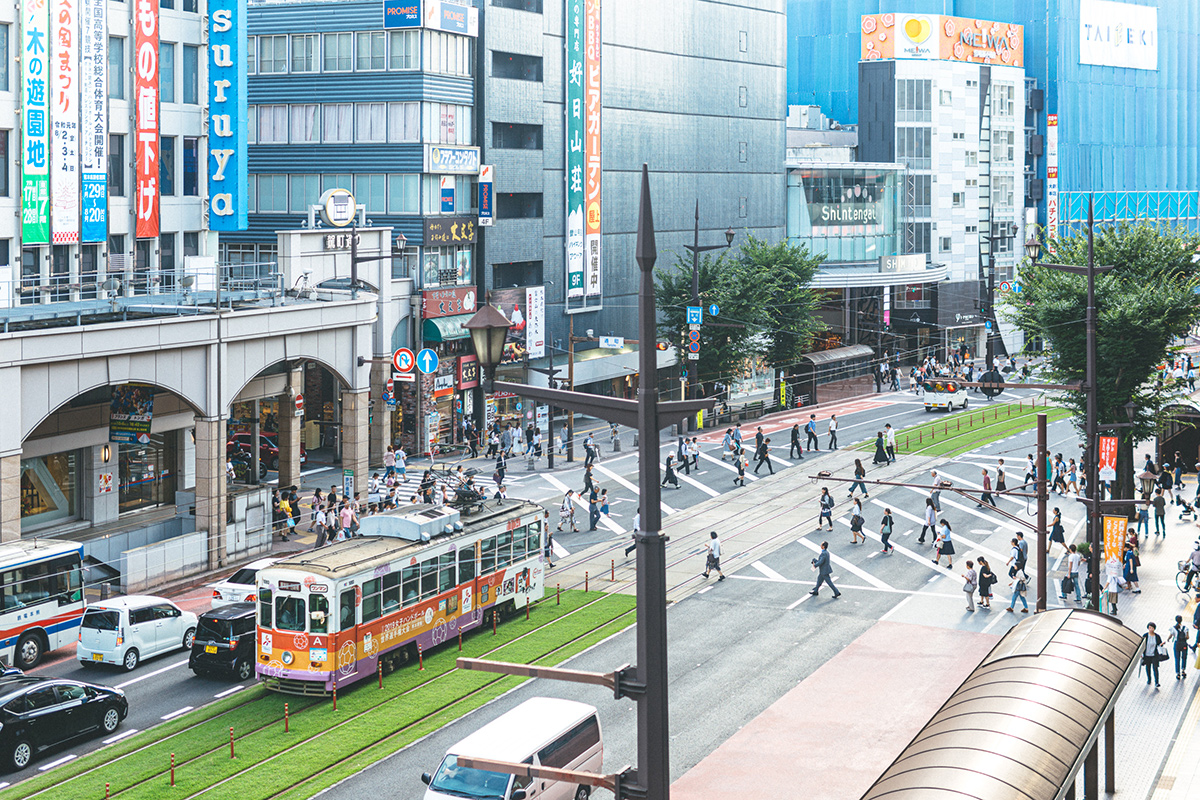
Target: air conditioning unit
[(1037, 145), (1036, 99), (1036, 189)]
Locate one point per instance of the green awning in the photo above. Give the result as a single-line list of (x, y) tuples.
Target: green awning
[(446, 329)]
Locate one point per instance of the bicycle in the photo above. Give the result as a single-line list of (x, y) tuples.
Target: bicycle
[(1183, 578)]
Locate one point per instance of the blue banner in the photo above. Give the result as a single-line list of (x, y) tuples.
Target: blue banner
[(401, 13), (95, 207), (486, 196), (227, 153)]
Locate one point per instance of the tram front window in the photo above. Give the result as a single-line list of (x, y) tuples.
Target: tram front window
[(289, 613)]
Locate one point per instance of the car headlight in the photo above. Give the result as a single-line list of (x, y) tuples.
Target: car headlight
[(288, 657)]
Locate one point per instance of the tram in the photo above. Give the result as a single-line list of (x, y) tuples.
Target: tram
[(417, 575)]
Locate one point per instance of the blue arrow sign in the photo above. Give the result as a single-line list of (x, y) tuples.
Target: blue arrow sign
[(714, 309), (427, 361), (988, 324), (695, 315)]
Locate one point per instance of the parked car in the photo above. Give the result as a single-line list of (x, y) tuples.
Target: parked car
[(240, 586), (268, 447), (225, 642), (37, 713), (124, 630)]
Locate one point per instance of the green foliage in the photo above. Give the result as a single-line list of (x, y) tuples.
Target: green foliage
[(784, 303)]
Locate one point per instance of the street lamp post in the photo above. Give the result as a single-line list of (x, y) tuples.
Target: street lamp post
[(994, 330), (696, 250)]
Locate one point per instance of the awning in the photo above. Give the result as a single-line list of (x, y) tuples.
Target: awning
[(848, 353), (445, 329)]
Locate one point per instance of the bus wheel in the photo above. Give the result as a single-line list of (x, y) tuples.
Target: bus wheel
[(28, 652)]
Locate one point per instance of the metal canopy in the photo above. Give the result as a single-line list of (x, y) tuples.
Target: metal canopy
[(838, 354), (445, 329), (1019, 726)]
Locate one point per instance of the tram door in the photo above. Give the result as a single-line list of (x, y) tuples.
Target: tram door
[(347, 652)]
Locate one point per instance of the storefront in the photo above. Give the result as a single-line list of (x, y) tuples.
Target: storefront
[(959, 318), (49, 489), (146, 472)]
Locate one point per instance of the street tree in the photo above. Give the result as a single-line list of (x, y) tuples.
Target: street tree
[(1143, 305)]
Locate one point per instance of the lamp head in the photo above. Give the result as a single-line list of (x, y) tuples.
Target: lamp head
[(1033, 247), (488, 329), (729, 234)]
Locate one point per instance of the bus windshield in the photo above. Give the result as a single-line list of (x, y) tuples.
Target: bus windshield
[(466, 782)]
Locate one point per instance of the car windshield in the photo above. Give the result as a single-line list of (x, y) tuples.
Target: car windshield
[(245, 576), (209, 630), (101, 620), (466, 782)]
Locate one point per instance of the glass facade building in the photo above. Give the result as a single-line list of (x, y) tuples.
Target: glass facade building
[(848, 213)]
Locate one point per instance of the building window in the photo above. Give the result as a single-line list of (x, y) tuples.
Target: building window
[(304, 52), (166, 259), (914, 295), (1003, 146), (913, 100), (305, 192), (972, 84), (912, 147), (972, 229), (371, 191), (972, 182), (191, 167), (958, 135), (60, 273), (5, 187), (306, 123), (451, 54), (1003, 240), (272, 54), (519, 205), (512, 136), (944, 244), (4, 59), (166, 72), (191, 244), (156, 459), (191, 74), (191, 6), (1002, 99), (532, 6), (116, 165), (972, 158), (336, 180), (339, 52), (404, 194), (916, 237), (516, 66), (272, 194), (273, 124), (516, 273), (372, 122), (48, 488), (371, 50), (31, 275), (404, 122), (339, 123), (116, 67), (166, 165), (1002, 191), (945, 97), (250, 55), (403, 49), (89, 269), (743, 97), (957, 199), (448, 266), (446, 123), (251, 125)]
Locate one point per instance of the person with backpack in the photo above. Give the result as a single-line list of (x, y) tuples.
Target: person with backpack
[(742, 462), (885, 530), (1179, 636), (826, 502), (1020, 583)]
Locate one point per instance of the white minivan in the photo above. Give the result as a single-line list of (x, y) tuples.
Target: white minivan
[(542, 731), (124, 630)]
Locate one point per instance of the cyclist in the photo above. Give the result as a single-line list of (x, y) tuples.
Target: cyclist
[(1194, 568)]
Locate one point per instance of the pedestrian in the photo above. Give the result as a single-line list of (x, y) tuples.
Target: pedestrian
[(1072, 477), (936, 492), (501, 468), (506, 440), (764, 456), (758, 438), (548, 548), (349, 520), (591, 452), (682, 457), (944, 546), (713, 559), (593, 508), (737, 436), (1112, 582), (970, 584), (493, 444), (856, 524), (316, 502), (1166, 482), (833, 425), (796, 442), (694, 452), (930, 520), (588, 481), (1160, 513), (322, 529), (1023, 546), (826, 505), (1150, 654), (614, 437), (669, 476), (282, 514), (604, 503), (1019, 583), (986, 497), (389, 462), (1030, 470), (810, 429), (1131, 562), (566, 511), (890, 440), (886, 526), (1073, 580), (881, 456), (727, 444), (401, 463), (1001, 486), (1179, 636), (637, 526), (501, 494), (824, 571), (742, 462), (860, 472), (563, 436), (987, 579)]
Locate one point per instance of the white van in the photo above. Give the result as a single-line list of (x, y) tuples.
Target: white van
[(125, 630), (944, 393), (542, 731)]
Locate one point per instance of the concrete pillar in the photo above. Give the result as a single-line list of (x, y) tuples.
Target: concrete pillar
[(10, 497), (381, 415), (289, 431), (355, 436), (210, 486)]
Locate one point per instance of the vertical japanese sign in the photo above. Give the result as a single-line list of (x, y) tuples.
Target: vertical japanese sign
[(64, 129), (535, 321), (227, 174), (1108, 458), (145, 93), (35, 145), (1115, 529), (487, 197), (1052, 175), (574, 148), (592, 148), (93, 109)]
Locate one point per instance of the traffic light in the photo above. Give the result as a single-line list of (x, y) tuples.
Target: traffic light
[(661, 345)]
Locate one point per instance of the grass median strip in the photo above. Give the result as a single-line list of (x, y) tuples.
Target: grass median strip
[(963, 431), (136, 767)]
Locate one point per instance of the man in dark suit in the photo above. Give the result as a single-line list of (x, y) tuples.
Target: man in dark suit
[(763, 455), (824, 570)]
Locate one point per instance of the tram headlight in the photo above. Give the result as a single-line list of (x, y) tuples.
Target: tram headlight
[(288, 658)]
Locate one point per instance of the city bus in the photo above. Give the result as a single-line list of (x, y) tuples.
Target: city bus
[(944, 393), (416, 576), (41, 598)]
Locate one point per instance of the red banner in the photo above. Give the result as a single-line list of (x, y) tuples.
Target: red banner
[(1108, 458), (146, 114)]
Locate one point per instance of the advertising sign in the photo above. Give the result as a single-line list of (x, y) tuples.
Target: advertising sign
[(131, 413), (1118, 34), (442, 160), (446, 185), (228, 178), (64, 130), (573, 80), (441, 15), (1108, 458), (468, 372), (401, 13), (854, 207), (35, 118), (93, 128), (535, 334), (145, 98), (1052, 174), (447, 302), (1115, 529), (487, 197), (931, 36), (525, 308), (449, 230), (592, 101)]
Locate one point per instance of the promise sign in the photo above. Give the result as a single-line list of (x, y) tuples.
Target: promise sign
[(145, 93), (227, 173), (35, 119)]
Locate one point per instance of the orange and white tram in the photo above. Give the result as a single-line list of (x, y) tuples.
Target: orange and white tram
[(417, 575)]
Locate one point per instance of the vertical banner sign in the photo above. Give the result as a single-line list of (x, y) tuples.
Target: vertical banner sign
[(535, 321), (1108, 458), (574, 147), (592, 148), (1052, 175), (93, 109), (447, 193), (64, 115), (1115, 529), (227, 173), (35, 145), (487, 197), (145, 93)]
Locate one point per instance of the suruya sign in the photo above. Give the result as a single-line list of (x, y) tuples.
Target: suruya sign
[(227, 154)]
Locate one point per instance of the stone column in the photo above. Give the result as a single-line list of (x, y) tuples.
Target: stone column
[(354, 437), (381, 416), (211, 490), (289, 431), (10, 497)]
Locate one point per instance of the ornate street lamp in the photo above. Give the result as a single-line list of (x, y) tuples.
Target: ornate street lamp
[(488, 328)]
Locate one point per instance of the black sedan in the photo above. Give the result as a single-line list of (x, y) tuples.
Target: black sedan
[(39, 713)]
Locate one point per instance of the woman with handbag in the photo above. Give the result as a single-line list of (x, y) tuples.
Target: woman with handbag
[(1152, 653), (970, 584), (885, 530), (856, 524), (987, 579), (944, 546), (1131, 564)]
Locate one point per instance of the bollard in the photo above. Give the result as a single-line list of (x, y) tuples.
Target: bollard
[(559, 594), (920, 436), (945, 428), (612, 576), (106, 791), (526, 607), (380, 666), (285, 718), (971, 421), (172, 769), (460, 641), (493, 622), (958, 425), (335, 692), (906, 441), (585, 581), (420, 658), (231, 741)]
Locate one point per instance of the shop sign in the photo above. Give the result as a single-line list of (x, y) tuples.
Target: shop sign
[(1118, 34), (131, 413), (441, 231), (146, 106), (468, 372), (443, 385), (902, 263), (487, 197), (227, 152), (64, 133), (574, 149), (441, 160), (93, 109), (591, 148), (35, 111), (936, 37), (401, 13), (489, 412), (338, 207), (340, 241), (441, 15)]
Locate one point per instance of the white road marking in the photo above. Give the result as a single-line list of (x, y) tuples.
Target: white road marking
[(58, 762), (803, 597), (765, 570), (558, 550), (231, 690), (120, 736), (705, 589), (971, 545), (846, 565), (683, 477), (178, 713), (608, 523), (629, 485), (729, 467), (140, 678), (844, 586), (897, 607)]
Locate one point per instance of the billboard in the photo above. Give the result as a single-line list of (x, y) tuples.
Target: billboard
[(227, 153), (937, 37), (1052, 175), (525, 308), (592, 107), (401, 13), (64, 113), (145, 97), (93, 127), (131, 413), (487, 196), (35, 119), (1118, 34), (442, 15), (573, 81)]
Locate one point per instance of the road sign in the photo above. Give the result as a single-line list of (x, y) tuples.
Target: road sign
[(693, 356), (405, 377), (403, 360), (390, 386), (612, 342), (693, 327), (347, 483), (427, 361), (693, 347), (518, 405), (988, 324), (714, 309), (693, 336), (299, 405), (695, 315)]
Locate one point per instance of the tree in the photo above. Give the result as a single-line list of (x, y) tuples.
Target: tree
[(1145, 302)]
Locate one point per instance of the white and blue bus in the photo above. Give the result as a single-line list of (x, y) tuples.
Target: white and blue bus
[(41, 598)]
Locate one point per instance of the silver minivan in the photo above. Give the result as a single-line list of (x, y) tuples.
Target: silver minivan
[(125, 630), (542, 731)]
